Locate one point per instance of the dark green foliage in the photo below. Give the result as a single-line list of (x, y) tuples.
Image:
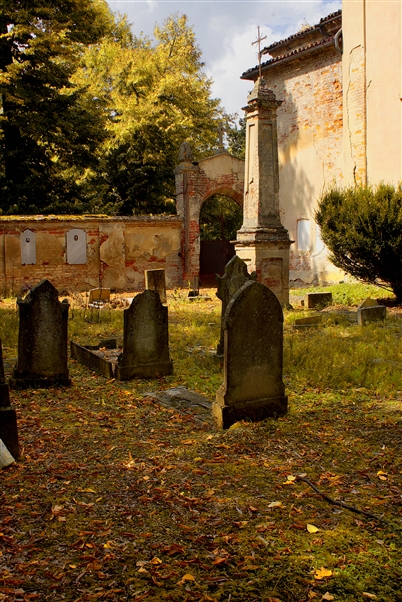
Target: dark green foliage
[(236, 136), (220, 219), (362, 228), (49, 128)]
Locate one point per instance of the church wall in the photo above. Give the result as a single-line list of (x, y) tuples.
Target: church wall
[(310, 152), (372, 73), (114, 254)]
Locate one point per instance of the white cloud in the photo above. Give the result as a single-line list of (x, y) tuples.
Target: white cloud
[(225, 31)]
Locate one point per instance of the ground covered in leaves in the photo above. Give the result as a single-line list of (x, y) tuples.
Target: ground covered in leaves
[(119, 498)]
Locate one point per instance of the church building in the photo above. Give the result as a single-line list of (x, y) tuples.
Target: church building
[(340, 121)]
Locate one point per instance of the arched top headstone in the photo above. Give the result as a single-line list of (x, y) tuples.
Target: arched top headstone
[(42, 339), (145, 340)]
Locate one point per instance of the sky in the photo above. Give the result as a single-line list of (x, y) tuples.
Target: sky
[(225, 30)]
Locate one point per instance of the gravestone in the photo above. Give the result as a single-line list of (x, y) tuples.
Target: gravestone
[(145, 339), (316, 300), (235, 276), (42, 340), (253, 357), (155, 281), (8, 417), (372, 313)]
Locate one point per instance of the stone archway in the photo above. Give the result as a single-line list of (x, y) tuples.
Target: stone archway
[(197, 181)]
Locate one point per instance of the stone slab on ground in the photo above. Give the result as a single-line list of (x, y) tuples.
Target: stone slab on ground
[(90, 358), (367, 315), (185, 401)]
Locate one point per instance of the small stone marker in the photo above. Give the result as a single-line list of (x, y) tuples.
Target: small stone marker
[(309, 322), (42, 340), (373, 313), (314, 300), (155, 281), (8, 417), (145, 340), (253, 358), (235, 276)]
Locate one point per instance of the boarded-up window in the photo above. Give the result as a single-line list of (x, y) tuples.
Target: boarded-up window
[(303, 234), (28, 247), (76, 246)]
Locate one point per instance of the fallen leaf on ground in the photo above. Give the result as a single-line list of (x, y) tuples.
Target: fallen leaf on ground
[(328, 596), (321, 573), (312, 528)]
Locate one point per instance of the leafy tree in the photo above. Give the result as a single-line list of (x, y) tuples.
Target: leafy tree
[(49, 128), (236, 135), (362, 227), (220, 218), (158, 96)]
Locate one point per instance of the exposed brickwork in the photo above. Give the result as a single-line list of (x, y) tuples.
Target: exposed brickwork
[(128, 247)]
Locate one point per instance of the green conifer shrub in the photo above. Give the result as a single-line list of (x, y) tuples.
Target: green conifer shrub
[(362, 228)]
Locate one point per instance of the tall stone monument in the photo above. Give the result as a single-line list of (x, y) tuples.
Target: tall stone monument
[(262, 241)]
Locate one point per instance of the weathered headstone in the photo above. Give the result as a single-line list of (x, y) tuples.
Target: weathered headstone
[(253, 357), (315, 300), (373, 313), (235, 276), (42, 340), (155, 281), (145, 340), (8, 417)]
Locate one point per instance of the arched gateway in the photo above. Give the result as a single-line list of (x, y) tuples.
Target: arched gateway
[(196, 182)]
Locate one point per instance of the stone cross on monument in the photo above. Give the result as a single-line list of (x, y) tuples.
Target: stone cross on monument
[(262, 241), (258, 41)]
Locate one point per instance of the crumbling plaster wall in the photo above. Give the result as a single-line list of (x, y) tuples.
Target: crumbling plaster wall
[(372, 76), (310, 140), (118, 251)]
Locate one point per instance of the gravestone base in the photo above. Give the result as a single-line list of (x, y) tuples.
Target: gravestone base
[(17, 382), (255, 410), (128, 372), (9, 431)]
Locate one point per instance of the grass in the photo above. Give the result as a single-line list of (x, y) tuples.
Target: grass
[(118, 498)]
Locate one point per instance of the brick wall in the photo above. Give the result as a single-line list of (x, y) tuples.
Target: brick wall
[(118, 251)]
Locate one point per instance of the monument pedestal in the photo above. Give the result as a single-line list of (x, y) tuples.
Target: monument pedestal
[(266, 252)]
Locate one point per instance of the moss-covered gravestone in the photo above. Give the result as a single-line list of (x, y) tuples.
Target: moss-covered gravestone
[(235, 276), (253, 357), (145, 339), (8, 417), (42, 340)]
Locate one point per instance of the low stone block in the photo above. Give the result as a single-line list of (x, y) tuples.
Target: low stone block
[(316, 300), (375, 313), (90, 359), (309, 321)]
